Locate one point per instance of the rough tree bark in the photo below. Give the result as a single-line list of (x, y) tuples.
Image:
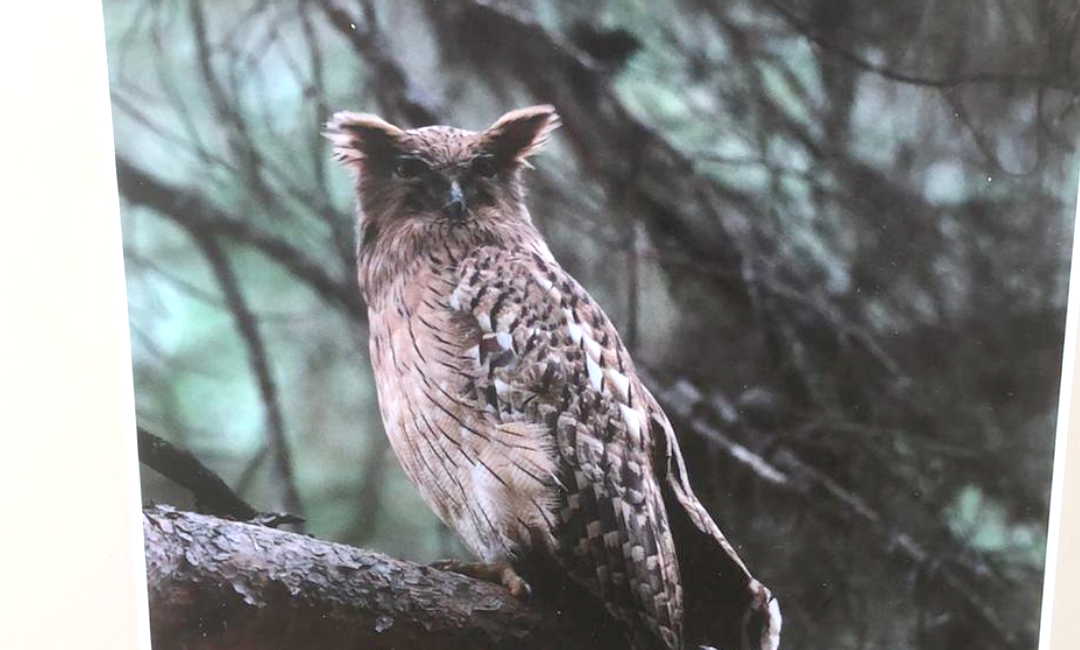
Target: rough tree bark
[(216, 583)]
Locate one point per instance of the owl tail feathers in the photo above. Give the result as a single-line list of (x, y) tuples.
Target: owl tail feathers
[(724, 605), (762, 620)]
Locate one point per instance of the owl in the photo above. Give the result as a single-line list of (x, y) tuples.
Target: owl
[(510, 400)]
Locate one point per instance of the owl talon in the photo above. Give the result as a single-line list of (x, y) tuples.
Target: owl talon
[(501, 573), (515, 584)]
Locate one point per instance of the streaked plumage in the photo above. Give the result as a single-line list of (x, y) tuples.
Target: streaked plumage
[(508, 396)]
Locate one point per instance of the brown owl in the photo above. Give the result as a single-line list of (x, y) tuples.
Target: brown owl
[(510, 400)]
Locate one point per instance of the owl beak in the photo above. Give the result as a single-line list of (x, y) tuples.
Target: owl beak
[(454, 208)]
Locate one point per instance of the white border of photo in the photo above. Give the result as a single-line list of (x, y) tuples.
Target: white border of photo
[(1061, 586), (71, 551)]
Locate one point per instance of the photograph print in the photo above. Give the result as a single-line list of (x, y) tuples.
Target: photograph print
[(613, 324)]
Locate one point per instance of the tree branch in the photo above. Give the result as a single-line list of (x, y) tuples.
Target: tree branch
[(786, 471), (404, 99), (248, 328), (179, 204), (220, 584), (210, 492), (944, 83), (212, 495)]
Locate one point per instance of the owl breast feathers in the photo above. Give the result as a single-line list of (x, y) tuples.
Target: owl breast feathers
[(509, 398)]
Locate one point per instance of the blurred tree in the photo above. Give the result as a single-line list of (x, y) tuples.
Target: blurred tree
[(836, 234)]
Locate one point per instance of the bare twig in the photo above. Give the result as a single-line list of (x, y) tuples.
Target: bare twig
[(946, 83), (405, 100), (240, 139), (789, 473), (248, 328), (139, 187), (211, 494)]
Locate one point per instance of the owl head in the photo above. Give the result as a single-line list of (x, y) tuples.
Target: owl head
[(438, 178)]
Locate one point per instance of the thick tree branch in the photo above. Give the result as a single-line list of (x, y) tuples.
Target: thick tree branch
[(220, 584)]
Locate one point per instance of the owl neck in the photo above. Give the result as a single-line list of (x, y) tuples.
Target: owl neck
[(394, 257)]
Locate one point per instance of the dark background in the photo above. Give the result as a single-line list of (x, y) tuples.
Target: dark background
[(835, 234)]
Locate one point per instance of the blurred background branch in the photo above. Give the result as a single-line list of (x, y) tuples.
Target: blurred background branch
[(836, 233)]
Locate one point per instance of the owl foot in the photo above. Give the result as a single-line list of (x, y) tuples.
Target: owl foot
[(501, 573)]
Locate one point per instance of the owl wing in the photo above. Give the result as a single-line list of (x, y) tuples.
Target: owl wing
[(544, 353)]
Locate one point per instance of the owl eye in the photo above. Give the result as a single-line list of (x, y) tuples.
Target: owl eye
[(484, 167), (410, 167)]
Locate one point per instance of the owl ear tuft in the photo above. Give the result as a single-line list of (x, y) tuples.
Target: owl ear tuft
[(357, 136), (521, 133)]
